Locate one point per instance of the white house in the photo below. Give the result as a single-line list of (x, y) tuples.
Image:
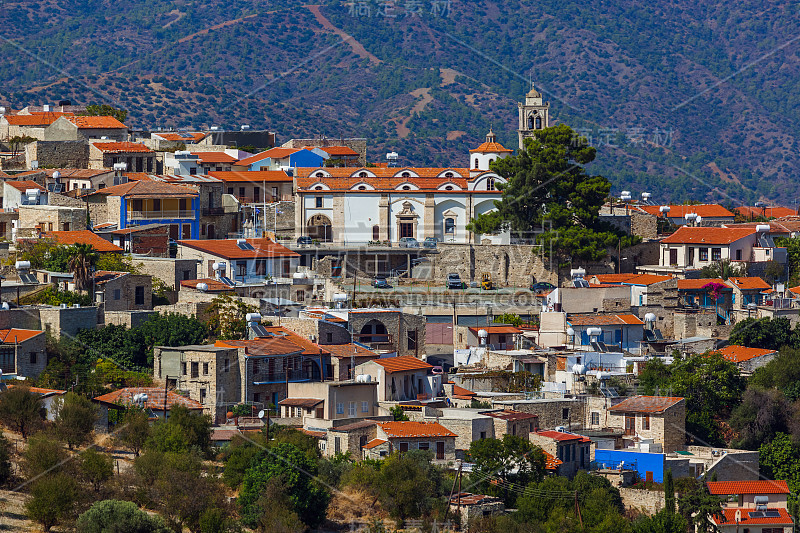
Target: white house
[(360, 205), (696, 247), (246, 260), (401, 378), (26, 192)]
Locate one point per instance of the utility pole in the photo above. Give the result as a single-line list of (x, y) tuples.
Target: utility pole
[(166, 381)]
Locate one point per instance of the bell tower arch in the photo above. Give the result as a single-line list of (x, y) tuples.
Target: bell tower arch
[(534, 114)]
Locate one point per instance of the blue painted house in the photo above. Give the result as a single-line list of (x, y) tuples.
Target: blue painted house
[(277, 158), (623, 330), (138, 203)]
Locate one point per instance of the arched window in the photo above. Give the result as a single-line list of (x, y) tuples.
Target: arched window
[(318, 188), (530, 122), (362, 174), (489, 184), (320, 174), (362, 187), (449, 188), (448, 174), (476, 162), (538, 123), (406, 188), (449, 225), (491, 161), (376, 233), (406, 175)]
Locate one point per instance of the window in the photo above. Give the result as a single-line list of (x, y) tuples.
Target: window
[(202, 395), (255, 366), (703, 254), (403, 447), (241, 268), (406, 188), (630, 424), (476, 163), (449, 188), (365, 407), (195, 369), (376, 232), (318, 201), (256, 397), (424, 446), (646, 422), (66, 226), (565, 413), (261, 267), (230, 190), (186, 275), (49, 226), (716, 254), (193, 170), (412, 339), (489, 184), (275, 193), (205, 369), (33, 358), (156, 204), (241, 192), (329, 337), (139, 295), (227, 365), (565, 453), (340, 408), (257, 194), (595, 418), (183, 369), (450, 225), (351, 409), (117, 294), (483, 435)]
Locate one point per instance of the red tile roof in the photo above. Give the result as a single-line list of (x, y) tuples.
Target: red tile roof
[(35, 119), (374, 443), (214, 157), (415, 429), (750, 283), (148, 189), (403, 363), (739, 354), (46, 392), (697, 284), (24, 185), (701, 235), (631, 279), (121, 147), (604, 320), (68, 238), (646, 404), (265, 346), (769, 212), (306, 403), (511, 415), (254, 176), (501, 330), (183, 137), (96, 123), (214, 285), (678, 211), (761, 486), (491, 147), (462, 393), (729, 517), (344, 351), (382, 172), (155, 398), (10, 336), (561, 436), (228, 249), (795, 290), (431, 183), (337, 150), (550, 462), (309, 348)]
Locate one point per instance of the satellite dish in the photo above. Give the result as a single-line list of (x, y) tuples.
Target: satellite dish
[(261, 414)]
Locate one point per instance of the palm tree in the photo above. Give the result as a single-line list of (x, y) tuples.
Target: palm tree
[(82, 258)]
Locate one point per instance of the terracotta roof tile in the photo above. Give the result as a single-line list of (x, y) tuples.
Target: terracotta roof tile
[(68, 238), (701, 235), (550, 462), (382, 172), (121, 147), (402, 363), (678, 211), (561, 436), (338, 150), (34, 119), (501, 330), (491, 148), (228, 249), (256, 176), (749, 283), (646, 404), (155, 398), (761, 486), (263, 347), (461, 392), (182, 137), (769, 212), (374, 443), (148, 188), (631, 279), (729, 517), (306, 403), (214, 285), (511, 415), (604, 320), (415, 429), (96, 123), (739, 354), (214, 157), (10, 336), (343, 351), (697, 284), (24, 185)]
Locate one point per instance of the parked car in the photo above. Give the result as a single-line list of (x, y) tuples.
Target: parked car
[(454, 281), (542, 286), (409, 242), (430, 242), (381, 284), (304, 240)]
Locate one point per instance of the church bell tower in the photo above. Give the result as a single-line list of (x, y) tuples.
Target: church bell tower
[(534, 114)]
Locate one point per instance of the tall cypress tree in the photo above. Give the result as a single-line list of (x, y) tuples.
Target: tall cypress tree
[(669, 492)]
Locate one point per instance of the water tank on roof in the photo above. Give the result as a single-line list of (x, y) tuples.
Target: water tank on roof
[(202, 287), (4, 306), (253, 317), (482, 335), (594, 332), (762, 228), (650, 317), (22, 265), (340, 297), (578, 369), (56, 175), (219, 266), (577, 272), (33, 193), (664, 209)]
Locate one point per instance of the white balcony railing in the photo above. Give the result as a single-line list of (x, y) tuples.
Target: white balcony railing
[(150, 215)]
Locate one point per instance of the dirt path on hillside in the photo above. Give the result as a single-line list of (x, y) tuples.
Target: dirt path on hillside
[(402, 125), (357, 47)]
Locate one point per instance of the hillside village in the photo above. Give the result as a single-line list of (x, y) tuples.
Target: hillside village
[(229, 332)]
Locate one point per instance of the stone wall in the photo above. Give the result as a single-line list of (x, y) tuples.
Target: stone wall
[(509, 265), (311, 328), (130, 319), (357, 145), (648, 502), (170, 271), (66, 201), (550, 411), (47, 217), (637, 223), (398, 325), (31, 358), (58, 154)]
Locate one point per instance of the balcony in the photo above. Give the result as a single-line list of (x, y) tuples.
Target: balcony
[(294, 376), (213, 211), (162, 214)]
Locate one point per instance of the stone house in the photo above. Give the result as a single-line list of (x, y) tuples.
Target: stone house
[(246, 259), (467, 424), (155, 400), (256, 186), (405, 436), (123, 291), (342, 357), (473, 507), (747, 359), (316, 405), (746, 291), (400, 378), (661, 419), (27, 125), (149, 239), (387, 330), (352, 438), (517, 423), (170, 271), (35, 219), (72, 179), (75, 128), (552, 413), (499, 337), (136, 156), (574, 451), (22, 352), (696, 247)]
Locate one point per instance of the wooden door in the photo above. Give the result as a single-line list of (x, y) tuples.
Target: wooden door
[(440, 450)]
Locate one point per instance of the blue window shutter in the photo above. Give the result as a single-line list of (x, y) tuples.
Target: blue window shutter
[(618, 336), (584, 338)]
